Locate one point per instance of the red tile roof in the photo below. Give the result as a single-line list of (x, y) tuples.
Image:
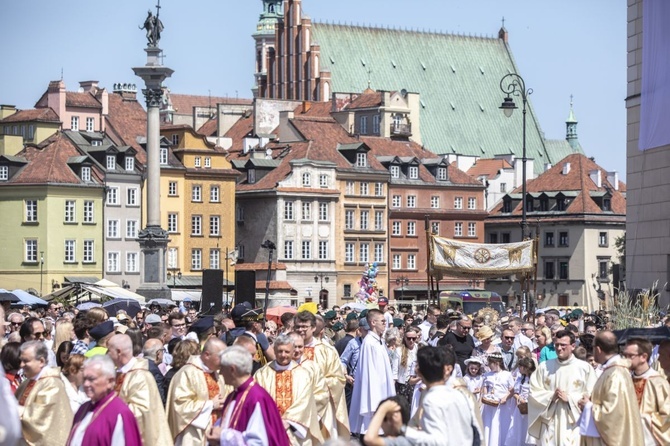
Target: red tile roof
[(209, 128), (368, 99), (489, 167), (274, 285), (127, 121), (84, 100), (308, 108), (184, 103), (241, 129), (259, 266), (33, 114)]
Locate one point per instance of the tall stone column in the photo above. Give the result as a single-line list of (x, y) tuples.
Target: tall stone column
[(153, 239)]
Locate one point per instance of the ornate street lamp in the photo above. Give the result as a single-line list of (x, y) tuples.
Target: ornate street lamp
[(404, 281), (271, 247)]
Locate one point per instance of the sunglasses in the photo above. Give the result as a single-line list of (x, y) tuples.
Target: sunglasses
[(509, 338), (16, 324), (411, 338), (39, 334)]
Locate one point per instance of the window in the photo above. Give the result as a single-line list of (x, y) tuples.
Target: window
[(364, 125), (507, 206), (31, 132), (365, 188), (111, 162), (602, 239), (208, 164), (172, 257), (196, 193), (131, 262), (70, 213), (472, 203), (323, 180), (214, 257), (493, 238), (395, 202), (197, 161), (89, 209), (379, 220), (175, 140), (562, 239), (288, 210), (349, 219), (70, 250), (530, 204), (89, 252), (113, 196), (239, 213), (364, 251), (214, 196), (458, 229), (365, 216), (349, 252), (396, 228), (548, 239), (251, 176), (172, 226), (172, 188), (603, 269), (113, 262), (379, 252), (86, 174), (306, 210), (288, 249), (458, 203), (349, 190), (164, 156), (323, 211), (397, 261), (96, 142), (411, 228), (214, 225), (395, 171), (196, 259), (435, 227), (549, 269), (31, 251), (563, 270), (196, 225), (4, 173), (130, 163), (375, 124), (323, 249), (306, 179), (131, 229), (113, 229), (413, 172), (472, 229), (379, 189), (506, 237), (435, 202), (347, 290), (442, 173), (411, 201), (361, 159), (560, 204), (607, 204), (306, 249), (411, 261), (131, 196), (503, 187), (90, 123), (74, 123)]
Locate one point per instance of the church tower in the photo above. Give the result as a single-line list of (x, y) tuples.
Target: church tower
[(571, 130), (265, 41)]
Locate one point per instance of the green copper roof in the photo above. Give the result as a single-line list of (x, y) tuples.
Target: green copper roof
[(457, 77)]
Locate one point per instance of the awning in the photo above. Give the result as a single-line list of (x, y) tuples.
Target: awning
[(28, 299), (80, 279), (196, 296), (114, 292)]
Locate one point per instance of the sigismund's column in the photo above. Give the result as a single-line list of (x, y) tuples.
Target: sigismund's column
[(153, 239)]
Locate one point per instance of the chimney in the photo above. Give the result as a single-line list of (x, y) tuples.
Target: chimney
[(103, 97), (547, 166), (566, 168), (56, 97), (306, 106), (128, 92), (613, 179), (595, 177), (7, 110), (502, 35), (89, 86)]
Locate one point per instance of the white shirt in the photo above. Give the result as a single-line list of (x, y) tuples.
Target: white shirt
[(118, 437), (425, 327)]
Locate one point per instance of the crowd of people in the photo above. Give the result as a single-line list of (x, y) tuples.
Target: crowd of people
[(167, 376)]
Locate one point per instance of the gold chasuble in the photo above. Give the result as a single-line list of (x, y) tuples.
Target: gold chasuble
[(189, 412), (44, 409), (319, 388), (138, 389), (615, 410), (326, 357), (291, 388), (653, 396)]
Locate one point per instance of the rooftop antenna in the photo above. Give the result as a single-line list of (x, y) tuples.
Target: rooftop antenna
[(61, 73), (369, 77), (570, 102), (503, 21)]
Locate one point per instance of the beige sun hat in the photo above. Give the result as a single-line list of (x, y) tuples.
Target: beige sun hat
[(484, 333)]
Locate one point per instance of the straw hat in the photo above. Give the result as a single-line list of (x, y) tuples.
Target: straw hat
[(484, 333)]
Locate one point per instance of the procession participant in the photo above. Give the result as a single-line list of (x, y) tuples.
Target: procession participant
[(432, 312), (611, 414), (652, 391), (317, 383), (250, 345), (555, 388), (486, 347), (249, 412), (289, 385), (517, 434), (328, 361), (392, 417), (549, 350), (44, 407), (100, 333), (329, 317), (442, 325), (460, 340), (496, 397), (153, 353), (136, 386), (516, 324), (383, 303), (105, 420), (407, 378), (34, 329), (350, 333), (196, 395), (373, 381), (507, 349)]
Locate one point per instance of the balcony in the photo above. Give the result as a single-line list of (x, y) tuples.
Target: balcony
[(401, 130)]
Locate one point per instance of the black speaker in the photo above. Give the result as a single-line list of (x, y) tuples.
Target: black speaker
[(212, 291), (245, 287)]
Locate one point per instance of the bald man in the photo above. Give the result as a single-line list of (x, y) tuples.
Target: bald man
[(153, 353), (249, 344), (136, 386)]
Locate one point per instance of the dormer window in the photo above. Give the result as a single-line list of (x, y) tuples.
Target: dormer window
[(544, 204), (607, 204), (251, 176), (130, 163), (507, 206), (560, 204), (111, 162), (164, 156), (86, 174), (529, 204), (361, 159), (4, 173), (96, 142), (395, 171), (306, 179), (442, 173), (413, 172)]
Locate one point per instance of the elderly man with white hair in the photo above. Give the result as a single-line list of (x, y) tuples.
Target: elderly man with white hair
[(105, 419), (250, 415)]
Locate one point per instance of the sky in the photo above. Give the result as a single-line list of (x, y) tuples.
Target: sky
[(561, 47)]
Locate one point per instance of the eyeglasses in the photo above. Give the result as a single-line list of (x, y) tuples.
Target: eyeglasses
[(16, 324), (38, 334), (411, 338), (509, 338)]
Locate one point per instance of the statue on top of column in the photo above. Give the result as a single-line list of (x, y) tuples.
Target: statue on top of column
[(154, 27)]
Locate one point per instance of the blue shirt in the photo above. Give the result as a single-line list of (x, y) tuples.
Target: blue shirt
[(350, 355), (548, 352)]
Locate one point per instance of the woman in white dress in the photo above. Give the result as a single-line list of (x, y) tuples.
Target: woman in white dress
[(497, 403), (486, 348), (72, 375), (517, 435)]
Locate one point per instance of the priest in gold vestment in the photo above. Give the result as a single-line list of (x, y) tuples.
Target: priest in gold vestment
[(136, 386), (611, 415), (318, 383), (290, 385), (555, 389), (652, 391), (196, 395), (326, 357), (44, 408)]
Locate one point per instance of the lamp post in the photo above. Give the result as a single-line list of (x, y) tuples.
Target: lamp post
[(322, 277), (513, 85), (270, 246), (175, 274), (404, 281)]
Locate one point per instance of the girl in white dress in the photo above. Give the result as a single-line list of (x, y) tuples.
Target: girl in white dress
[(518, 429), (497, 403), (474, 376)]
